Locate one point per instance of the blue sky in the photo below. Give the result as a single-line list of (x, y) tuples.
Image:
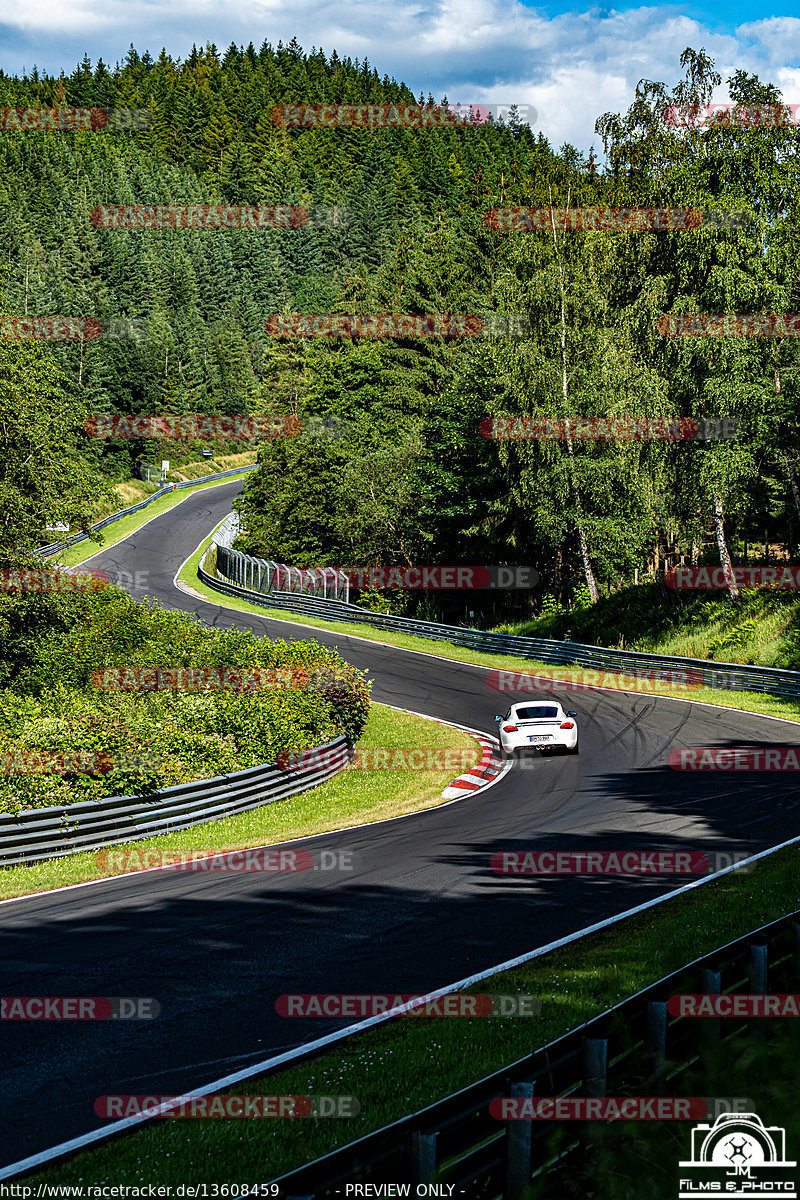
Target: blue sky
[(570, 61)]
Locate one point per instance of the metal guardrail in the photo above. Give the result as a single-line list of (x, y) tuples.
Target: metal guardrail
[(227, 531), (44, 833), (54, 547), (634, 1048), (727, 676)]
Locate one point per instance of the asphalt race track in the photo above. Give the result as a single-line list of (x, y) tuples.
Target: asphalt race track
[(422, 907)]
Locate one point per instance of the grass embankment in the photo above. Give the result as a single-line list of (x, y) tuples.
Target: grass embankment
[(352, 797), (134, 491), (755, 702), (131, 491), (221, 462), (760, 627), (407, 1064)]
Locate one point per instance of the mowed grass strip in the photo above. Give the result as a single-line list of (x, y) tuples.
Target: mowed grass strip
[(351, 797), (755, 702), (407, 1064)]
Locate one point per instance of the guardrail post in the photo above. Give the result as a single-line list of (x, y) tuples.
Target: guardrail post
[(423, 1157), (711, 987), (758, 968), (519, 1139), (656, 1040), (757, 973), (595, 1066)]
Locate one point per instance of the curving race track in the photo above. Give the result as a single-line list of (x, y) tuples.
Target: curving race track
[(422, 907)]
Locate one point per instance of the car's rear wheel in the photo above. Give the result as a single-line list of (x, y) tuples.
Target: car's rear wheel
[(576, 749)]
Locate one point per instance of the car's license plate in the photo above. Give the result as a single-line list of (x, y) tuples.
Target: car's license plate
[(542, 737)]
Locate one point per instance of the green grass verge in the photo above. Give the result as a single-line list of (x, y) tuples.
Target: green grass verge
[(426, 1058), (755, 702), (760, 626), (112, 534), (352, 797), (403, 1066)]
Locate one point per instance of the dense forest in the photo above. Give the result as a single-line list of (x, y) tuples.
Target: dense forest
[(395, 468)]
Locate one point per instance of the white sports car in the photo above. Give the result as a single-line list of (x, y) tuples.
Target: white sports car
[(538, 726)]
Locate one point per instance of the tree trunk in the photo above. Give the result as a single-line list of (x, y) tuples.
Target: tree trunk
[(790, 465), (722, 546), (587, 565), (793, 480)]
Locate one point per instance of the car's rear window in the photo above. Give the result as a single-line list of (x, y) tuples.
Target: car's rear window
[(533, 714)]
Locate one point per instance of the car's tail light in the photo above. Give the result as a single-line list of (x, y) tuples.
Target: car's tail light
[(509, 729), (567, 725)]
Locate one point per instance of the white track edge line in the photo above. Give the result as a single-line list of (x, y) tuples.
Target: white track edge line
[(97, 1135)]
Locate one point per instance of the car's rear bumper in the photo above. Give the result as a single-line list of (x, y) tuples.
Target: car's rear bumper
[(521, 745)]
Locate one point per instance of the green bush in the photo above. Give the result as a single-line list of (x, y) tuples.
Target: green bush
[(64, 738), (387, 601)]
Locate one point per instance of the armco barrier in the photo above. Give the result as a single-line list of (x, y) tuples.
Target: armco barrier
[(43, 833), (54, 547), (635, 1048), (728, 676)]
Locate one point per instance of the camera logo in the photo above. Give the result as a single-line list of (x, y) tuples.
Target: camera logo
[(737, 1156)]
